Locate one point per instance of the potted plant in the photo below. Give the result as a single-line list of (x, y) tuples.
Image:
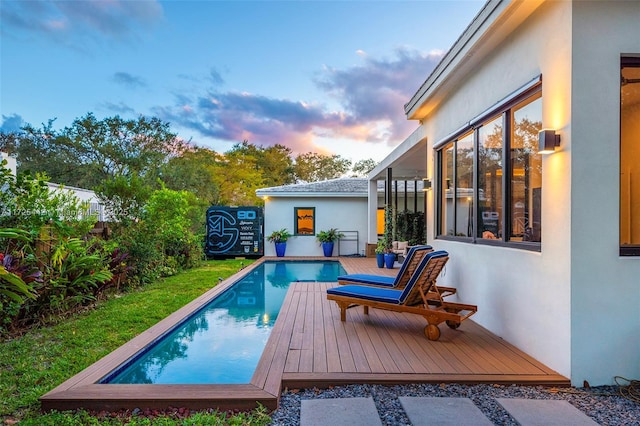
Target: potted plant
[(327, 240), (279, 238), (380, 249), (389, 256)]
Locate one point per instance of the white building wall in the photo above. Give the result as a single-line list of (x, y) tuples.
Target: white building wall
[(11, 162), (344, 213), (605, 298), (522, 296)]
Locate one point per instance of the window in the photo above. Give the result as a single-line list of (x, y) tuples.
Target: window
[(491, 175), (380, 221), (525, 174), (490, 170), (457, 184), (305, 220), (630, 157)]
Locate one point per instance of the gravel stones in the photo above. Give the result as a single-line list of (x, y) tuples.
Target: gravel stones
[(603, 404)]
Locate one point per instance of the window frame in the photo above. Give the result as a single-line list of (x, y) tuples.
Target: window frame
[(296, 224), (631, 250), (530, 92)]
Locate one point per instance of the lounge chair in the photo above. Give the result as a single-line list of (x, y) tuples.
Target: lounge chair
[(411, 262), (416, 298), (414, 256)]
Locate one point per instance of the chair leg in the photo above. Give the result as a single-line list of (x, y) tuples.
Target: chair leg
[(366, 310), (343, 310)]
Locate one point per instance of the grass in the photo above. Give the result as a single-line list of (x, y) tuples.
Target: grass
[(38, 361)]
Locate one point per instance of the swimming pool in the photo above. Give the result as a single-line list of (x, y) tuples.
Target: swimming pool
[(222, 342)]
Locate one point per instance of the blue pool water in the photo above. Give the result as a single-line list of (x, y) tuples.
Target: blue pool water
[(222, 342)]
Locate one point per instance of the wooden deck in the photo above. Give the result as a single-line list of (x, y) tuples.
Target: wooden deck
[(310, 347)]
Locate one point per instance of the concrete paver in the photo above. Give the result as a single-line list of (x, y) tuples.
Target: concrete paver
[(443, 411), (539, 412), (338, 412)]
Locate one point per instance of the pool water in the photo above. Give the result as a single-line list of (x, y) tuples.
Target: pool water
[(223, 341)]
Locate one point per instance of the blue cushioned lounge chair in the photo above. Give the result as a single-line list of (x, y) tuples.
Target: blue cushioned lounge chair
[(411, 262), (417, 297)]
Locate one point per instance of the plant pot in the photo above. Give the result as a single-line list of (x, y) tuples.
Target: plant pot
[(380, 259), (327, 248), (280, 249), (389, 260)]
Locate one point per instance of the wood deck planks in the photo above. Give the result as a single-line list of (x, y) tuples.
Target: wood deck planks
[(387, 346)]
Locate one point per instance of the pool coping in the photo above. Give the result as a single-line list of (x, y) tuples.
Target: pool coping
[(83, 390)]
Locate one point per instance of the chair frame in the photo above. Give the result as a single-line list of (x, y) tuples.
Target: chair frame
[(409, 266), (421, 300)]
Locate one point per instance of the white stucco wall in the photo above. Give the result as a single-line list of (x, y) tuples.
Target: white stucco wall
[(522, 296), (575, 304), (346, 214), (605, 297), (11, 162)]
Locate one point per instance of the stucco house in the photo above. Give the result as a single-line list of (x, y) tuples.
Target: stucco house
[(307, 208), (547, 245)]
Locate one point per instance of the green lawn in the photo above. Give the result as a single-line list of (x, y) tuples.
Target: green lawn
[(35, 363)]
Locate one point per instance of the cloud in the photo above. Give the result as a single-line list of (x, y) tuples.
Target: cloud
[(377, 90), (70, 22), (119, 108), (372, 96), (128, 80), (215, 77), (11, 123)]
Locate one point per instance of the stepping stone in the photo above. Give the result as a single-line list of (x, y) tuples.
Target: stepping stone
[(544, 412), (443, 411), (339, 411)]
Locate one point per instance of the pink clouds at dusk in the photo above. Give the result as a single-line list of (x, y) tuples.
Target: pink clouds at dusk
[(317, 76), (371, 97)]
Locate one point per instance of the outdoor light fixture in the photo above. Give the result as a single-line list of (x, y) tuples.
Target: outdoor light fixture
[(426, 184), (548, 140)]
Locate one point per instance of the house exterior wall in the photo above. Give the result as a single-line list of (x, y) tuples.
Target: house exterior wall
[(574, 304), (11, 162), (605, 288), (344, 213), (522, 296)]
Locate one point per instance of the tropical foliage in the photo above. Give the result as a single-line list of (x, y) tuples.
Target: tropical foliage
[(279, 236), (329, 236)]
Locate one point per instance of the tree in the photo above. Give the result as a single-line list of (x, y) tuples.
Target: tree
[(238, 177), (313, 167), (274, 163), (194, 171), (91, 151), (361, 168)]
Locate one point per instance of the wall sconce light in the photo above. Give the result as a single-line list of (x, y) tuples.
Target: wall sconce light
[(426, 184), (548, 140)]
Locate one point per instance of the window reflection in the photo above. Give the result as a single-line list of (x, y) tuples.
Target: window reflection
[(490, 180), (464, 186), (526, 173)]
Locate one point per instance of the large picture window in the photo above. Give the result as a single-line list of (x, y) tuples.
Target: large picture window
[(305, 220), (630, 157), (491, 176)]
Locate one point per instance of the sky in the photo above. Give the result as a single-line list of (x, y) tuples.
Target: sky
[(316, 76)]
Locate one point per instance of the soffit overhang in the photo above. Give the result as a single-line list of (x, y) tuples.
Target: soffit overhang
[(491, 26)]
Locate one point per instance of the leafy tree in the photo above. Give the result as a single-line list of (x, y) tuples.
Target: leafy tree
[(238, 177), (194, 171), (361, 168), (274, 163), (91, 150), (124, 197), (313, 167)]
